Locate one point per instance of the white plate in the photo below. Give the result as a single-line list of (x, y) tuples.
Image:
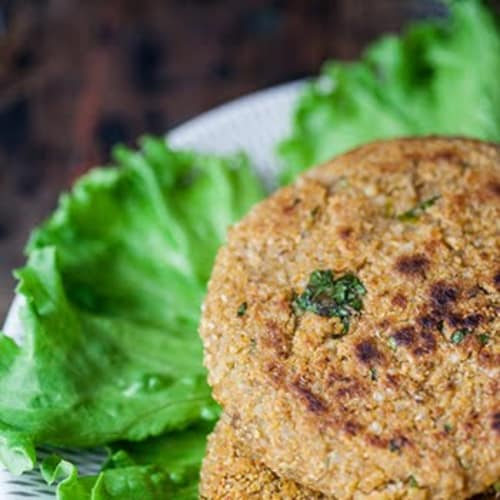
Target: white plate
[(255, 124)]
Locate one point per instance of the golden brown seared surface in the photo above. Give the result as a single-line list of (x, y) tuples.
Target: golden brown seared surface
[(229, 474), (410, 393)]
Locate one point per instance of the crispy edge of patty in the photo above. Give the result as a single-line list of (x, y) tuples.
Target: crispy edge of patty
[(228, 472)]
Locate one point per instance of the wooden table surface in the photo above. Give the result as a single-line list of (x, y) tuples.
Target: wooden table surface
[(77, 77)]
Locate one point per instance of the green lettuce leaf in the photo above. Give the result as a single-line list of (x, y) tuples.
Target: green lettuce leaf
[(162, 467), (438, 77), (113, 288)]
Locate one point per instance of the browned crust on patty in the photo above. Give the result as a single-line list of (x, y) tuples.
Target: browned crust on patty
[(394, 398)]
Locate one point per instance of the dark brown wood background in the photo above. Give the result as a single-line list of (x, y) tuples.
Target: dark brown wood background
[(78, 76)]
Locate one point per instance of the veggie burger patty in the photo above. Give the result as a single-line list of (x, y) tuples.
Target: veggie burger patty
[(351, 326), (230, 473)]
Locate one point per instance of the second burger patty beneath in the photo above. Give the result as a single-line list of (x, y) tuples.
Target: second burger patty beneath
[(351, 326), (230, 473)]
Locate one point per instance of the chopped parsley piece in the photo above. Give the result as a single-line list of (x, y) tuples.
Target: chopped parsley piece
[(373, 374), (458, 335), (496, 487), (314, 212), (483, 338), (326, 296), (242, 309), (414, 213), (448, 427), (413, 482), (394, 445)]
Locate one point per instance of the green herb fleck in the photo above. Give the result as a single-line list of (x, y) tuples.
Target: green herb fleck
[(242, 309), (394, 445), (458, 336), (483, 338), (448, 427), (373, 374), (326, 296), (414, 213), (314, 212), (496, 487), (413, 482), (392, 343)]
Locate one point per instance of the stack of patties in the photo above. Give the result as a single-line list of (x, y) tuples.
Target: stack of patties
[(351, 331)]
